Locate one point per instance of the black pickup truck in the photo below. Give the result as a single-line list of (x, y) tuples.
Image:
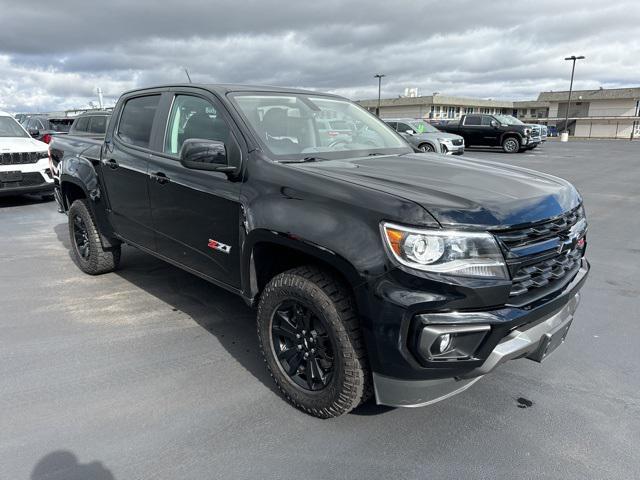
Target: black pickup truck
[(375, 270), (495, 131)]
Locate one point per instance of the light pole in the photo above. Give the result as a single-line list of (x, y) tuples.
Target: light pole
[(379, 77), (573, 58)]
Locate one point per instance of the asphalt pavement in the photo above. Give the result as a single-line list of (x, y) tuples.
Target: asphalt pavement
[(152, 373)]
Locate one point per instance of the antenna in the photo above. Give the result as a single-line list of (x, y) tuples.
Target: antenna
[(188, 76)]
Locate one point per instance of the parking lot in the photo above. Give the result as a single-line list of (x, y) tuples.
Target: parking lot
[(150, 372)]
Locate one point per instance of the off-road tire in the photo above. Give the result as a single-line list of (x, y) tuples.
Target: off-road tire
[(511, 145), (99, 260), (351, 383)]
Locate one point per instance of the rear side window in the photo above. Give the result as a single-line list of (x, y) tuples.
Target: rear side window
[(137, 119), (60, 124), (472, 120), (98, 124), (81, 124)]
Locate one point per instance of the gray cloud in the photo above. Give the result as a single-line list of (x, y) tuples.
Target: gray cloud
[(54, 57)]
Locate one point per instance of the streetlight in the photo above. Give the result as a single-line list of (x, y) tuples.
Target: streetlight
[(379, 77), (573, 58)]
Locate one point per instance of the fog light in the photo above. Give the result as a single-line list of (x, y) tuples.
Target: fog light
[(444, 342)]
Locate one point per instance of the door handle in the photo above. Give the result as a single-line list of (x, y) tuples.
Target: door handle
[(160, 177), (112, 164)]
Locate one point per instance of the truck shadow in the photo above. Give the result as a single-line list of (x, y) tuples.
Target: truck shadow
[(221, 313), (22, 200)]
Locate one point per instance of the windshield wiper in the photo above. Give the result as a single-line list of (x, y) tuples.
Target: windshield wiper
[(304, 160)]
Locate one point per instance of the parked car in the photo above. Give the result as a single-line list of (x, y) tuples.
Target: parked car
[(552, 130), (426, 137), (44, 127), (494, 131), (375, 270), (91, 124), (24, 161)]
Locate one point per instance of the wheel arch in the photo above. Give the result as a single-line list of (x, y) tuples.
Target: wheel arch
[(268, 253)]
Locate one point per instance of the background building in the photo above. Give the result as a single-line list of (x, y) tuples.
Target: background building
[(603, 113)]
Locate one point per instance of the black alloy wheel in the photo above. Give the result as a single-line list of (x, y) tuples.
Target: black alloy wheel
[(81, 237), (302, 345)]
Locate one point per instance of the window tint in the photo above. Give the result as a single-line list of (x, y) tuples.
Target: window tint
[(486, 120), (403, 127), (98, 124), (194, 117), (81, 124), (60, 124), (472, 120), (137, 119)]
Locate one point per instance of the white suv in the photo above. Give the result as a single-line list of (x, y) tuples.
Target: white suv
[(24, 161)]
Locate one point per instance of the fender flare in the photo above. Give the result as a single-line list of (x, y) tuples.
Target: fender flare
[(248, 271)]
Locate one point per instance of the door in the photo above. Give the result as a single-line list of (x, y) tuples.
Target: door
[(125, 160), (196, 213), (472, 130), (490, 133)]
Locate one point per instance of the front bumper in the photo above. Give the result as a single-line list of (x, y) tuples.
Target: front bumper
[(516, 332), (36, 178), (451, 149)]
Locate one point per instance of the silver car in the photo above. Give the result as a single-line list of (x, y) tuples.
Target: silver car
[(426, 137)]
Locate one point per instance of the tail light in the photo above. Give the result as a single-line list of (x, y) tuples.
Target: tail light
[(46, 138)]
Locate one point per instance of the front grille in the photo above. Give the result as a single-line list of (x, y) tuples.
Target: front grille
[(557, 227), (28, 180), (18, 158), (545, 255), (457, 142), (528, 277)]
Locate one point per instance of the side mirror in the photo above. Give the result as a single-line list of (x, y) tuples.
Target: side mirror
[(410, 132), (34, 132), (494, 123), (201, 154)]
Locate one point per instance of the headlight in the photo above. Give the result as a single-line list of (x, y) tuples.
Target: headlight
[(527, 131), (450, 252), (444, 140)]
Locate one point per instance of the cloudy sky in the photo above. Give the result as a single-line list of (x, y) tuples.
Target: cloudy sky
[(53, 55)]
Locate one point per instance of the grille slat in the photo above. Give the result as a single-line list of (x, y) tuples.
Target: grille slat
[(20, 158)]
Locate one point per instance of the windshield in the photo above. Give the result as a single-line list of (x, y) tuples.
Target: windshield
[(298, 126), (423, 127), (508, 120), (11, 128)]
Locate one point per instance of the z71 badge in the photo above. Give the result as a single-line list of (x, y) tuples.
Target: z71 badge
[(219, 246)]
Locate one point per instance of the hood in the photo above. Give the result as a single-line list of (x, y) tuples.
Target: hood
[(466, 192), (21, 144)]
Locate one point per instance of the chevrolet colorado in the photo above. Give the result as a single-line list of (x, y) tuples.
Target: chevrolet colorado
[(495, 131), (375, 270)]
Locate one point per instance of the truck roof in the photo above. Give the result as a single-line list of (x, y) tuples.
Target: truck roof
[(224, 88)]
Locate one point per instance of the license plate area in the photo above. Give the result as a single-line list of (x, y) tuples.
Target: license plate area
[(14, 176), (549, 342)]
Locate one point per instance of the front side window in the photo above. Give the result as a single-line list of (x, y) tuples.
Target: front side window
[(403, 127), (290, 127), (136, 120), (194, 117), (10, 128), (486, 121)]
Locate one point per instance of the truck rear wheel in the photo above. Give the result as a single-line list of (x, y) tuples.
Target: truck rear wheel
[(311, 342), (511, 145), (86, 247)]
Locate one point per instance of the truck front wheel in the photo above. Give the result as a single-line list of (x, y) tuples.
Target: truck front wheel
[(86, 247), (311, 342), (511, 145)]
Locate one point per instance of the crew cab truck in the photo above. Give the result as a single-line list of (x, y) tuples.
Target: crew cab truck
[(375, 270), (494, 131)]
